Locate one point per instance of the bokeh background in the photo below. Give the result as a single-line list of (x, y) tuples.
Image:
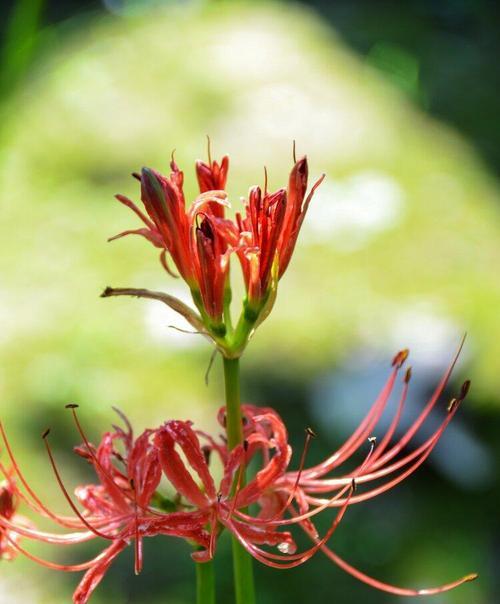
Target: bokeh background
[(398, 104)]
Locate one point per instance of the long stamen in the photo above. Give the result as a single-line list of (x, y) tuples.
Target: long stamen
[(365, 427), (65, 492), (309, 436), (323, 504), (239, 482), (39, 507), (121, 493), (54, 565), (429, 446), (25, 531), (392, 589), (293, 560)]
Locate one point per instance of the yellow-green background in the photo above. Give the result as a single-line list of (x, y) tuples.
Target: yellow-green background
[(90, 99)]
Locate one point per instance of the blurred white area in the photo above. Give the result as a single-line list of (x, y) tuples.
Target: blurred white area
[(165, 326), (348, 213)]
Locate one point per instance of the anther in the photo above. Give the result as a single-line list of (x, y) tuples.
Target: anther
[(310, 432), (206, 450), (219, 497), (408, 375), (107, 292), (132, 484), (372, 440), (471, 577), (71, 406), (137, 176), (245, 445), (353, 485), (465, 389), (452, 404), (46, 433), (400, 358)]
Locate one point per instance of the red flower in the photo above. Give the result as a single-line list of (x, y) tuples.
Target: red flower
[(269, 230), (200, 241), (191, 237), (122, 507), (290, 499)]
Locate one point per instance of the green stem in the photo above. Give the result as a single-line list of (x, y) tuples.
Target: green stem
[(242, 561), (205, 583)]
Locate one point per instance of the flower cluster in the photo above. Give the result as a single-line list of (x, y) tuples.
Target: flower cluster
[(127, 503), (200, 241)]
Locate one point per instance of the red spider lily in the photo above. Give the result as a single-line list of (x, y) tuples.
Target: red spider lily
[(293, 498), (269, 230), (191, 237), (118, 509), (200, 241)]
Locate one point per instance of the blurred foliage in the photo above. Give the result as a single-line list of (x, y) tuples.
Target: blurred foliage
[(448, 51), (401, 246)]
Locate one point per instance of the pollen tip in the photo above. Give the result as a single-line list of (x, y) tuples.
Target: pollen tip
[(137, 176), (245, 445), (71, 406), (107, 292), (372, 440), (400, 358), (408, 375), (310, 432), (464, 390), (471, 577), (452, 404), (353, 485), (46, 433)]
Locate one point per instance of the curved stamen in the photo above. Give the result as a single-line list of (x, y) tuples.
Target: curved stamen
[(392, 483), (39, 507), (387, 587), (359, 435), (54, 565), (293, 560), (66, 494), (25, 531), (325, 504)]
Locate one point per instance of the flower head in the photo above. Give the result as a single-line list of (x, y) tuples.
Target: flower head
[(289, 499), (200, 240), (121, 508), (126, 505)]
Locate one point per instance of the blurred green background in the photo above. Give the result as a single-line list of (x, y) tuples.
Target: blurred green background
[(398, 104)]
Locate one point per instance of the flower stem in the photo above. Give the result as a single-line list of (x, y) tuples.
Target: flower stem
[(205, 583), (242, 561)]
